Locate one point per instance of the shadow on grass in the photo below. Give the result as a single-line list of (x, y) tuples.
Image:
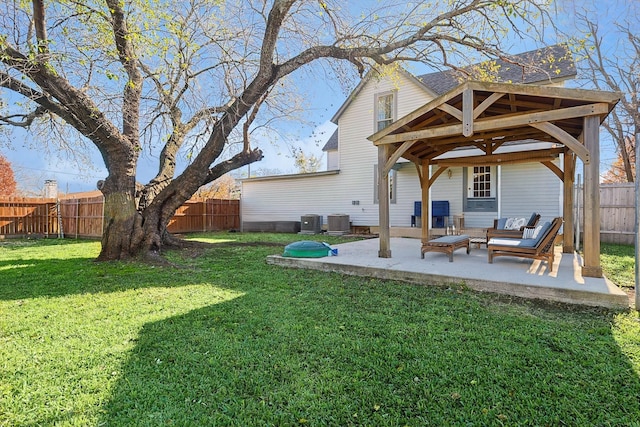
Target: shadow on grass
[(54, 268), (351, 351)]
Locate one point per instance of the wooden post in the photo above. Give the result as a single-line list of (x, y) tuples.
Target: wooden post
[(636, 186), (383, 203), (592, 267), (424, 216), (568, 246)]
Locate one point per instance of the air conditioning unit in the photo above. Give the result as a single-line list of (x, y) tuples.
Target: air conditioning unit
[(338, 224), (310, 224)]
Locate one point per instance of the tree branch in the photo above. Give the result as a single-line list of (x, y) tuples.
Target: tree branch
[(128, 58)]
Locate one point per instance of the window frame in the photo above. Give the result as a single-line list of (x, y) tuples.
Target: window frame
[(394, 109), (480, 204), (471, 190)]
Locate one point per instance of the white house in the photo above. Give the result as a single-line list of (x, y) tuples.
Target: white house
[(348, 186)]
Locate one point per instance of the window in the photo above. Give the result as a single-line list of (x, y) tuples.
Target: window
[(385, 110), (393, 179), (481, 182), (481, 189)]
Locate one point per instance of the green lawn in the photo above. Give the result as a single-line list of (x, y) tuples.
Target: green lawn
[(618, 263), (224, 339)]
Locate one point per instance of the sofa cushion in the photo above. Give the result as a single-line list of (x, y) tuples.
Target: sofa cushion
[(514, 243), (541, 231), (532, 220), (501, 223)]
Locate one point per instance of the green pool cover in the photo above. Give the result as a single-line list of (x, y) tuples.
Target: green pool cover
[(307, 249)]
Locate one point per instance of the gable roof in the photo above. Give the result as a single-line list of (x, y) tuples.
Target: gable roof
[(548, 64), (332, 142)]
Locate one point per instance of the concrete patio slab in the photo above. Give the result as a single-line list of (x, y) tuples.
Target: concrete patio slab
[(511, 276)]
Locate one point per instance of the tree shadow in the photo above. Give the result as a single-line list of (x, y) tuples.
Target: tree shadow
[(25, 276), (352, 356)]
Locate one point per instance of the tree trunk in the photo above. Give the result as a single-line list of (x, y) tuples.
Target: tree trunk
[(122, 230)]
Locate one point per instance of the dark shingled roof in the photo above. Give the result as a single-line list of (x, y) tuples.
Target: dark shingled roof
[(332, 143), (549, 63)]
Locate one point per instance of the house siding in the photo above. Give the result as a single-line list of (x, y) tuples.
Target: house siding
[(525, 188), (528, 188), (287, 198), (358, 155)]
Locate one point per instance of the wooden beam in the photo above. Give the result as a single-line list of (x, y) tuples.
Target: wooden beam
[(512, 102), (494, 123), (424, 197), (435, 176), (419, 170), (467, 112), (568, 236), (486, 104), (564, 138), (592, 266), (502, 158), (450, 110), (383, 204), (555, 169), (548, 91), (396, 156)]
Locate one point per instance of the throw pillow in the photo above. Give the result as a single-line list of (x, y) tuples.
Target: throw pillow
[(528, 233), (536, 232), (515, 223)]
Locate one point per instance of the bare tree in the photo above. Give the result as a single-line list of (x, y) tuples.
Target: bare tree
[(611, 61), (193, 76)]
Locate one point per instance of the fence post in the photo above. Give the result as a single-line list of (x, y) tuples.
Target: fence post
[(637, 225), (205, 204)]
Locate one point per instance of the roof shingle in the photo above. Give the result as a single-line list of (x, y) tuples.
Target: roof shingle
[(546, 64)]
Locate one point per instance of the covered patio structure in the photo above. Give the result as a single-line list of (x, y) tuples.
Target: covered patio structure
[(491, 117)]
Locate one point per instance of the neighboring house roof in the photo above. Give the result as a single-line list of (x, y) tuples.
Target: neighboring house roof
[(548, 64), (80, 195), (332, 143)]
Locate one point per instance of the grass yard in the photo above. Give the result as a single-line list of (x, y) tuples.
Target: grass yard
[(618, 263), (226, 340)]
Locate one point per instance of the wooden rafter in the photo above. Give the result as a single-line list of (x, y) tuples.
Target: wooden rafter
[(565, 138), (555, 169), (507, 122), (502, 158), (396, 156)]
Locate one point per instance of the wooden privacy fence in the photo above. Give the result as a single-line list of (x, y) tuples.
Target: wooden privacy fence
[(23, 216), (210, 215), (82, 217), (617, 212)]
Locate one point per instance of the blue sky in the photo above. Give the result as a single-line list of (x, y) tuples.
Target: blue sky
[(33, 166)]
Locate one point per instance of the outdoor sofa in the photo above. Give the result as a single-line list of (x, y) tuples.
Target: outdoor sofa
[(499, 227), (536, 243)]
